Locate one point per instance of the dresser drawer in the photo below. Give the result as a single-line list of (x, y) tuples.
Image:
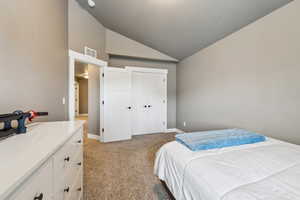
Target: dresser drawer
[(78, 137), (76, 191), (76, 166), (67, 164), (39, 186), (66, 156)]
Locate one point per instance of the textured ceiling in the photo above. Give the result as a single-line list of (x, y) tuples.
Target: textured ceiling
[(179, 28)]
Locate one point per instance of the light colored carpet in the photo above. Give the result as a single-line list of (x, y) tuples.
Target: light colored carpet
[(123, 170)]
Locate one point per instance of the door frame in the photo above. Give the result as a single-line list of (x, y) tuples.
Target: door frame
[(154, 71), (77, 96), (73, 57)]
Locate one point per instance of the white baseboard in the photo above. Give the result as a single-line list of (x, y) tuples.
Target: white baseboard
[(174, 130), (93, 136)]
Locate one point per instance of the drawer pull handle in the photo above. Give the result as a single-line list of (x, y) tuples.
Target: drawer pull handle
[(79, 189), (67, 159), (79, 163), (79, 141), (40, 197), (67, 189)]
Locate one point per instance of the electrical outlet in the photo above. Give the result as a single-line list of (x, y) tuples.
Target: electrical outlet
[(184, 124)]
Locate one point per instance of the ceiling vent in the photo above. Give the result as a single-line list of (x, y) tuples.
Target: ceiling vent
[(90, 52)]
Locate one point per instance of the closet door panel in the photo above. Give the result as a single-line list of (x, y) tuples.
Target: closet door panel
[(149, 100), (156, 93), (139, 100)]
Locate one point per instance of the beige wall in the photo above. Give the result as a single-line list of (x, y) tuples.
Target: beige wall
[(85, 30), (118, 61), (117, 44), (34, 56), (94, 99), (248, 80), (83, 96)]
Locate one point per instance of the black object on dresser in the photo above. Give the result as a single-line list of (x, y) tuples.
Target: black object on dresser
[(19, 116)]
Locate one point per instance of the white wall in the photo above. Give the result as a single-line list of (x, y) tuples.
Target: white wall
[(117, 44), (94, 99), (248, 80)]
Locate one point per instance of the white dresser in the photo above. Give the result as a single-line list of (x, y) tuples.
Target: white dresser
[(43, 164)]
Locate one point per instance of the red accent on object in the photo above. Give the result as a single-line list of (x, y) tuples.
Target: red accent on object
[(33, 115)]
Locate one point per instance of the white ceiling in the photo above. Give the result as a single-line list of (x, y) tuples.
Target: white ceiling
[(179, 28)]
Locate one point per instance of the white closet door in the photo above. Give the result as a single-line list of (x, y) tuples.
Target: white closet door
[(156, 103), (149, 100), (139, 102), (117, 105)]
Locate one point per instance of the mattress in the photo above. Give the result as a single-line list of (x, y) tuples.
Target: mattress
[(269, 170)]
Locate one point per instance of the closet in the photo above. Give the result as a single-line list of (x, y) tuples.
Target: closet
[(149, 95), (135, 102)]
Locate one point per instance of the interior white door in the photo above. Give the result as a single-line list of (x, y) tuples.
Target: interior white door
[(139, 102), (149, 98), (117, 104), (156, 103)]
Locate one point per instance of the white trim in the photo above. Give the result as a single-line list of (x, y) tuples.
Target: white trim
[(101, 92), (86, 59), (146, 70), (148, 133), (75, 56), (77, 96), (93, 136), (174, 130)]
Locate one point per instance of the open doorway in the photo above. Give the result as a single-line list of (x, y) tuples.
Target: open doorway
[(84, 91), (81, 91)]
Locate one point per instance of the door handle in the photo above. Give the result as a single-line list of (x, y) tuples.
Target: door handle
[(67, 189), (40, 197), (67, 159)]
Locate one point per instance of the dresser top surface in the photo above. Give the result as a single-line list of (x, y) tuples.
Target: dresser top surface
[(21, 155)]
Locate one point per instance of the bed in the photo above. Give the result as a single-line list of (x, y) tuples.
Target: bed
[(268, 170)]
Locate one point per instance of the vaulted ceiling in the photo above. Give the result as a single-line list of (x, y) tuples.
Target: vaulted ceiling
[(179, 28)]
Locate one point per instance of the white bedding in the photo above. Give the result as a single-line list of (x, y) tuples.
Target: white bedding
[(269, 170)]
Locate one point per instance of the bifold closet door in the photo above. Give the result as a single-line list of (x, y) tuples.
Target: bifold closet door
[(117, 104), (149, 103)]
